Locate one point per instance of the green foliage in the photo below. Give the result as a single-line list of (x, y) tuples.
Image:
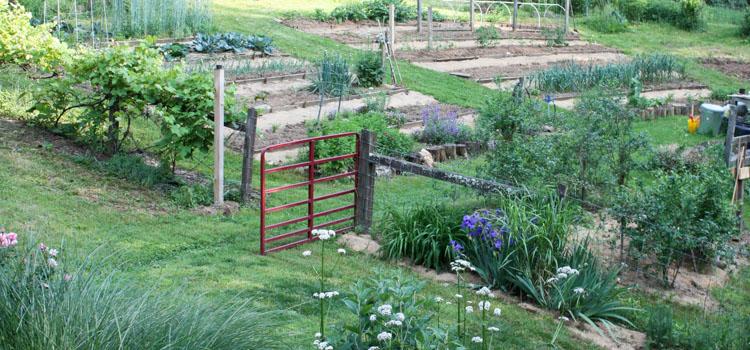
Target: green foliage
[(554, 36), (369, 70), (606, 20), (191, 196), (372, 10), (176, 18), (573, 76), (333, 76), (132, 168), (390, 141), (320, 15), (634, 10), (689, 215), (745, 27), (25, 45), (422, 234), (349, 12), (175, 51), (440, 128), (235, 42), (684, 14), (660, 333), (83, 307), (487, 35), (691, 12)]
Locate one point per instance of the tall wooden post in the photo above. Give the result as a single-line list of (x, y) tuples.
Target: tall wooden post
[(248, 151), (429, 23), (471, 15), (365, 180), (729, 139), (93, 32), (567, 16), (392, 24), (419, 16), (515, 15), (219, 135)]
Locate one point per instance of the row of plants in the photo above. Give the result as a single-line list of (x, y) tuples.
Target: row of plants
[(373, 10), (574, 76), (52, 302), (222, 42)]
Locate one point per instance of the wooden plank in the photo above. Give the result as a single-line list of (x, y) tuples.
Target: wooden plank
[(466, 58), (247, 155), (447, 176), (461, 75)]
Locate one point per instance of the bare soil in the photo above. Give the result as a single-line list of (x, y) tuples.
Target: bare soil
[(518, 61), (498, 51), (730, 67)]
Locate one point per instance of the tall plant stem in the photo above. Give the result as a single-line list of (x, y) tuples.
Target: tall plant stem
[(322, 288)]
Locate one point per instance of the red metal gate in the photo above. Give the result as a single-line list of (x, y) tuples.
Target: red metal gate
[(311, 199)]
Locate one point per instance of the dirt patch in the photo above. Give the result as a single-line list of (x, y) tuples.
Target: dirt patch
[(497, 51), (730, 67), (518, 61), (519, 69), (627, 339)]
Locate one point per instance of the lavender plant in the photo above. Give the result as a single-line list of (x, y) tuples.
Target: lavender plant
[(440, 128)]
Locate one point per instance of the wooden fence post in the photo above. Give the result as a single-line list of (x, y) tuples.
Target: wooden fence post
[(365, 180), (515, 15), (392, 24), (248, 151), (219, 135), (429, 23), (729, 139), (471, 14), (567, 16), (419, 16)]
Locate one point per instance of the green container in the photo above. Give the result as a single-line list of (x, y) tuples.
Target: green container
[(711, 119)]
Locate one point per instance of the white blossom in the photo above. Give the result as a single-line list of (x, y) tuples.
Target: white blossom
[(497, 311), (342, 251), (563, 318), (373, 317), (579, 290), (400, 316), (459, 296), (461, 265), (552, 280), (477, 339), (493, 329), (373, 348), (484, 305), (486, 291), (52, 262), (393, 323), (385, 309), (561, 276), (448, 303), (469, 309), (438, 299), (53, 252), (306, 253), (385, 336), (318, 335)]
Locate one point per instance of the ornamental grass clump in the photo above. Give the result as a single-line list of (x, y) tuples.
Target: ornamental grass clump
[(445, 127)]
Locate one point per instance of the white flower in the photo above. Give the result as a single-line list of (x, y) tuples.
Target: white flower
[(318, 335), (476, 339), (342, 251), (306, 253), (52, 262), (393, 323), (579, 290), (563, 318), (384, 336), (561, 276), (469, 309), (493, 329), (53, 252), (447, 303), (438, 300), (497, 311), (574, 272), (324, 234), (446, 284), (373, 317), (552, 280), (316, 342), (459, 296), (484, 305), (485, 291), (469, 302), (373, 348), (385, 309), (400, 316), (461, 265)]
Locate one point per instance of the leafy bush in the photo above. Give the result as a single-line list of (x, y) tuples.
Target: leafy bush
[(373, 10), (745, 27), (349, 12), (691, 12), (236, 42), (333, 76), (390, 141), (487, 35), (23, 44), (684, 14), (422, 234), (688, 215), (634, 10), (132, 168), (660, 333), (442, 128), (82, 307), (175, 51), (369, 70), (555, 37), (191, 196)]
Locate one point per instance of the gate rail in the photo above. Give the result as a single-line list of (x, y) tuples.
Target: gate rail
[(311, 199)]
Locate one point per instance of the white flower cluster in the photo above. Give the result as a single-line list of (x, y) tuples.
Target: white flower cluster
[(563, 318), (325, 295), (306, 253), (385, 336), (438, 299), (342, 251), (400, 316), (393, 323), (469, 309), (373, 317), (324, 234), (566, 271), (497, 311), (477, 339), (322, 345), (486, 291), (484, 305), (373, 348), (461, 265), (385, 309), (493, 329), (579, 290)]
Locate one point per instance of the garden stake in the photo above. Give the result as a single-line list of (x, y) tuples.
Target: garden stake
[(44, 16), (106, 27), (323, 93), (740, 160), (75, 9), (58, 20), (91, 4)]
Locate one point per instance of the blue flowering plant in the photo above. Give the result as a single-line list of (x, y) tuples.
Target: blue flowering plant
[(441, 128)]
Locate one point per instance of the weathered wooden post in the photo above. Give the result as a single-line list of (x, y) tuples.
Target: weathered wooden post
[(248, 151), (515, 15), (365, 181), (93, 33), (729, 140), (471, 15), (392, 24), (429, 23), (219, 135), (567, 16), (419, 16)]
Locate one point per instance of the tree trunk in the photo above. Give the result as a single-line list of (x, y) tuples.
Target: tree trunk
[(113, 129)]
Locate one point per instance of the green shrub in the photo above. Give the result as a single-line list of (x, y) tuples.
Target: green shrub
[(554, 36), (441, 128), (634, 10), (691, 15), (132, 168), (660, 332), (606, 20), (390, 141), (333, 76), (349, 12), (378, 9), (46, 305), (369, 70), (191, 196), (487, 35), (422, 234), (745, 27), (23, 44), (684, 14)]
